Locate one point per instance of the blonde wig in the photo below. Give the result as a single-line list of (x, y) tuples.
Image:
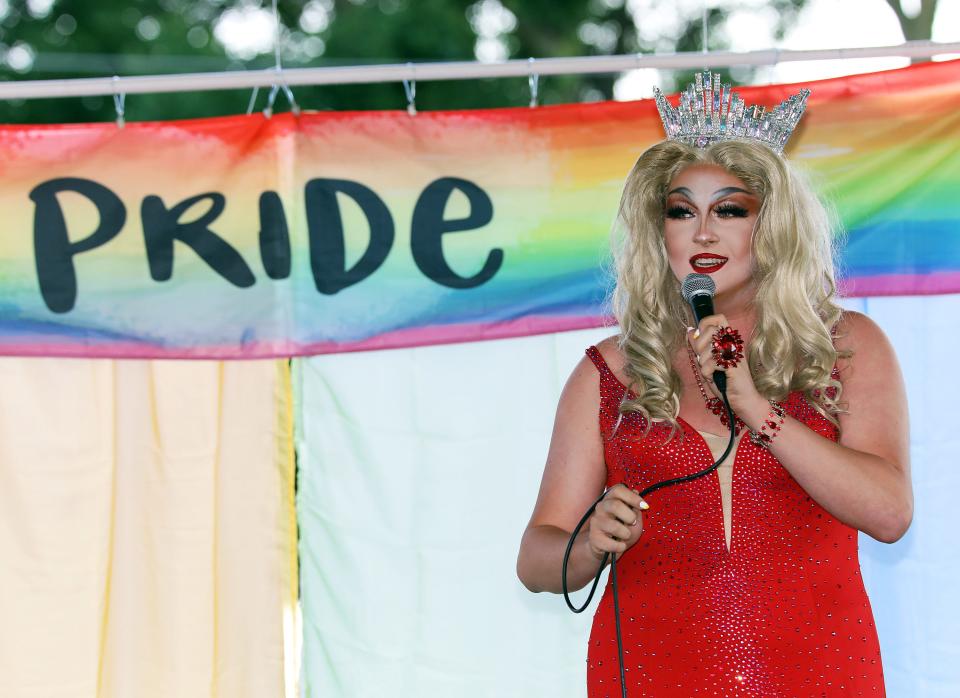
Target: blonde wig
[(791, 348)]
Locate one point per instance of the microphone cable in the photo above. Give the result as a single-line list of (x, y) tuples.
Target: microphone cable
[(722, 388)]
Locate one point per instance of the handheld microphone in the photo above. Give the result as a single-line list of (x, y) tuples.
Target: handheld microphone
[(698, 290)]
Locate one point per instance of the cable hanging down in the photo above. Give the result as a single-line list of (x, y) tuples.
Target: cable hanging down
[(612, 559)]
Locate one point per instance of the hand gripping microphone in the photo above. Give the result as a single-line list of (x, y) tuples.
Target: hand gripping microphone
[(698, 290)]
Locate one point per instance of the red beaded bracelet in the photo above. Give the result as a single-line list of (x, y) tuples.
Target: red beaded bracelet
[(770, 426)]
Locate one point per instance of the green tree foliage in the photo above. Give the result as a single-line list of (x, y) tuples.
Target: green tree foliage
[(45, 39)]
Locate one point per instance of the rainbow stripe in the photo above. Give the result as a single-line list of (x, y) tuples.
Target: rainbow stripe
[(884, 146)]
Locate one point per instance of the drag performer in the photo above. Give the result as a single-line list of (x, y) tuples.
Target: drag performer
[(744, 582)]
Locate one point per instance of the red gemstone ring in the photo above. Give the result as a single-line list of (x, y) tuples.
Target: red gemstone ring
[(727, 347)]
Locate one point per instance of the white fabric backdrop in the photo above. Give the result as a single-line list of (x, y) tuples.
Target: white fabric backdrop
[(147, 537), (912, 584), (418, 472)]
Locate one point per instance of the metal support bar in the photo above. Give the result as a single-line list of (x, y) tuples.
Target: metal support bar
[(462, 70)]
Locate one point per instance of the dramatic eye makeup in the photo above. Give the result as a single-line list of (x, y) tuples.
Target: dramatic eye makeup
[(729, 209), (678, 204), (733, 202), (676, 210)]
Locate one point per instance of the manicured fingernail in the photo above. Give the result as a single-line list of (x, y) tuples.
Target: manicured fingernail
[(696, 334), (644, 505)]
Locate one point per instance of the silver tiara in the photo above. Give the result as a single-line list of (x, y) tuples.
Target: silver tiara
[(710, 112)]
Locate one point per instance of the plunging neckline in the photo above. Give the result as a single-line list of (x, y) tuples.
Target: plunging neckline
[(725, 471)]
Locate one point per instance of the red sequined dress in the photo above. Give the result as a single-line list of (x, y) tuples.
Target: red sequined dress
[(781, 614)]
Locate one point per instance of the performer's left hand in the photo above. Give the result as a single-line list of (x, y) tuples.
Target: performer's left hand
[(741, 391)]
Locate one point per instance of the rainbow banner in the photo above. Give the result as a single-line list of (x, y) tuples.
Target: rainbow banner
[(254, 237)]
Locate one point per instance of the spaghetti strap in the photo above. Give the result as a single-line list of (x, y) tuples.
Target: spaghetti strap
[(597, 358), (612, 394), (607, 375)]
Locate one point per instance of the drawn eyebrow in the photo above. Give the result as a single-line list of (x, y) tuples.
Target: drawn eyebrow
[(726, 191), (719, 194)]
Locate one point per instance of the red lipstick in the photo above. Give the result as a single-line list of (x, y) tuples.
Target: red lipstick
[(707, 262)]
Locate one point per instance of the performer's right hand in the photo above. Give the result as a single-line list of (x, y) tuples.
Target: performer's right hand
[(617, 522)]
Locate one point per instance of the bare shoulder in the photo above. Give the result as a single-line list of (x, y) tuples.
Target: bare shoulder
[(855, 326), (610, 346), (875, 420), (871, 349)]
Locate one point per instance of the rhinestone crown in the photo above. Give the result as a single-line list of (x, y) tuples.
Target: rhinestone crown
[(710, 112)]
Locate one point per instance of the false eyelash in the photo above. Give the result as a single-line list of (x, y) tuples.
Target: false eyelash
[(732, 210), (676, 211)]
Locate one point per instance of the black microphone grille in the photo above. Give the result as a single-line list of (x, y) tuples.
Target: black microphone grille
[(696, 284)]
